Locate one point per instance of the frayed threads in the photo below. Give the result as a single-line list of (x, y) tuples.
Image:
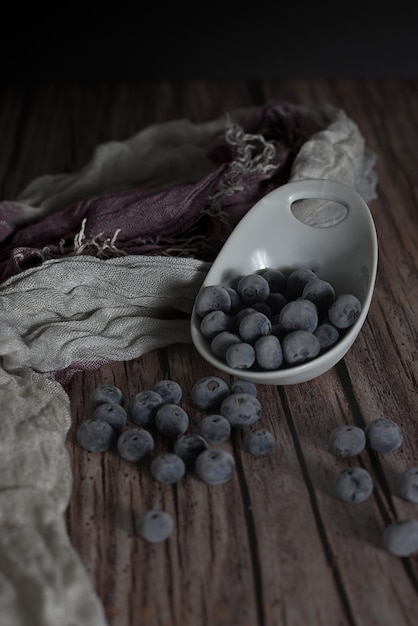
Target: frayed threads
[(103, 247)]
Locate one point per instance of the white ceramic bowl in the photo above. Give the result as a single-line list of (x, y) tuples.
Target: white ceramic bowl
[(270, 236)]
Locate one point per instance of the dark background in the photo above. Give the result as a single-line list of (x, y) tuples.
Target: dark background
[(216, 41)]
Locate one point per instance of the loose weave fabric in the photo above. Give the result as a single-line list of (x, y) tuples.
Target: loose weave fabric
[(103, 265)]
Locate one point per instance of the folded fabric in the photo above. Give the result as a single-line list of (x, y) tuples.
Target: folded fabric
[(96, 311), (103, 265)]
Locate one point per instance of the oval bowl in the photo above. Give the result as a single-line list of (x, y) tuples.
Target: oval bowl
[(270, 236)]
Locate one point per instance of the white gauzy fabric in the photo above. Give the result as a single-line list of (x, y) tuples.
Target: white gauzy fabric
[(97, 311), (338, 152), (162, 154), (42, 580), (87, 311)]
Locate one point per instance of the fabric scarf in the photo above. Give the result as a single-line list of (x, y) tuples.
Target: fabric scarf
[(103, 265)]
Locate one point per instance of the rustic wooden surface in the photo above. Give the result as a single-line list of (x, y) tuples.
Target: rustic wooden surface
[(271, 547)]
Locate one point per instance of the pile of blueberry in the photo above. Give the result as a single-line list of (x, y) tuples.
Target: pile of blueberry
[(130, 428), (355, 484), (267, 320)]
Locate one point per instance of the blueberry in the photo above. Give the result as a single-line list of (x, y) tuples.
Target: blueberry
[(276, 302), (134, 444), (171, 420), (320, 292), (106, 394), (143, 406), (259, 442), (297, 280), (346, 441), (268, 352), (96, 435), (401, 537), (167, 468), (189, 446), (215, 466), (241, 409), (241, 356), (353, 484), (299, 314), (155, 525), (263, 307), (300, 346), (208, 392), (221, 342), (215, 428), (169, 390), (214, 323), (212, 298), (383, 435), (345, 311), (236, 301), (246, 310), (239, 385), (327, 334), (408, 485), (113, 414), (253, 326), (276, 279), (253, 288)]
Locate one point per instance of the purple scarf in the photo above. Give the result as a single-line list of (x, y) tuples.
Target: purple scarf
[(191, 219)]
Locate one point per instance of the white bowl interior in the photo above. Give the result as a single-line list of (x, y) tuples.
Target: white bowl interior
[(270, 236)]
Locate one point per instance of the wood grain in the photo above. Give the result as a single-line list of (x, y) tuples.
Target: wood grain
[(272, 547)]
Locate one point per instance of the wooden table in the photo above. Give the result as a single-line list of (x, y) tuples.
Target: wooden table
[(273, 546)]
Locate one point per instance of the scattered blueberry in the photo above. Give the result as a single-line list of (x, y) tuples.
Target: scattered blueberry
[(143, 406), (259, 442), (239, 385), (155, 525), (346, 441), (134, 444), (189, 446), (113, 414), (215, 428), (167, 468), (169, 390), (401, 537), (208, 393), (96, 435), (215, 466), (383, 435), (106, 394), (408, 485), (353, 484), (241, 409), (171, 420)]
